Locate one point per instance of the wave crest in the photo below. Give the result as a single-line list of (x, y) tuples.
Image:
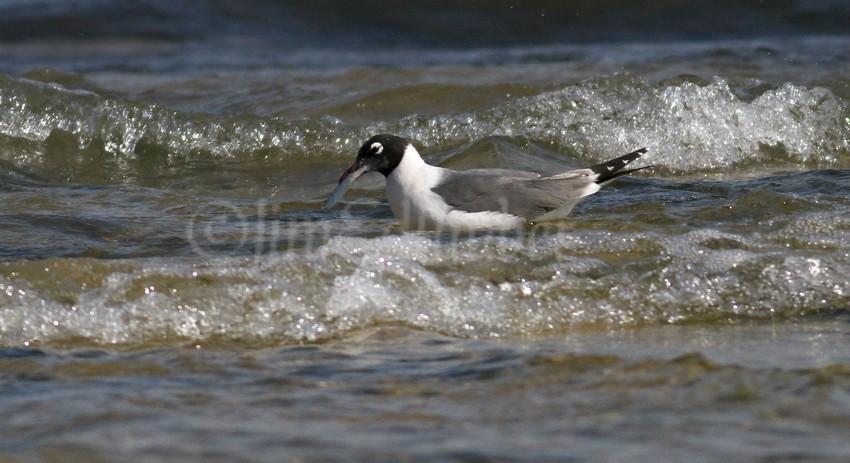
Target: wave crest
[(687, 126)]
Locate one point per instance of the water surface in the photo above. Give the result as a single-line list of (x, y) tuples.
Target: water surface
[(171, 289)]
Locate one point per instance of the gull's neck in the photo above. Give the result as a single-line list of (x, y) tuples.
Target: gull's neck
[(413, 171), (409, 192)]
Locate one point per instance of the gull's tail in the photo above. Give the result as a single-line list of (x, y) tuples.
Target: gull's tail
[(609, 170)]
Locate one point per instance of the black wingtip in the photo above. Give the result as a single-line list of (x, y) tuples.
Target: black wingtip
[(612, 169)]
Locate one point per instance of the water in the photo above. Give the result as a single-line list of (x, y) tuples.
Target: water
[(171, 289)]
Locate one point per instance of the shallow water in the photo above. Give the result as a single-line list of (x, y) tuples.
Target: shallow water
[(392, 394), (171, 288)]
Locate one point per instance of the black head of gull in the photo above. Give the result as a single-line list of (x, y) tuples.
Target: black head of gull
[(426, 197), (382, 153)]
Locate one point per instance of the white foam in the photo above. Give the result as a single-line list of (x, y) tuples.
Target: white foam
[(686, 126), (485, 286)]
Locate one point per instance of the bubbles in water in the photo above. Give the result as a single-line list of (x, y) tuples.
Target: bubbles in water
[(686, 126), (490, 286)]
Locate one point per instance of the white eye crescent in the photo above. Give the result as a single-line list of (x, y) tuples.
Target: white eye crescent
[(376, 148)]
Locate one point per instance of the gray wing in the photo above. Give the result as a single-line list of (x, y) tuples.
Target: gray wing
[(524, 194)]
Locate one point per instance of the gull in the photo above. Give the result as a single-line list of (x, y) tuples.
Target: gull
[(427, 197)]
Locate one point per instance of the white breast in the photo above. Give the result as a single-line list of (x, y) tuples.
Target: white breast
[(417, 207)]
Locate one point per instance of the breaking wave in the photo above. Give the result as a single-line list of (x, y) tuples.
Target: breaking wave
[(688, 126)]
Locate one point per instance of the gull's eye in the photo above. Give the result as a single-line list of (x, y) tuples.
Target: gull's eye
[(376, 148)]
